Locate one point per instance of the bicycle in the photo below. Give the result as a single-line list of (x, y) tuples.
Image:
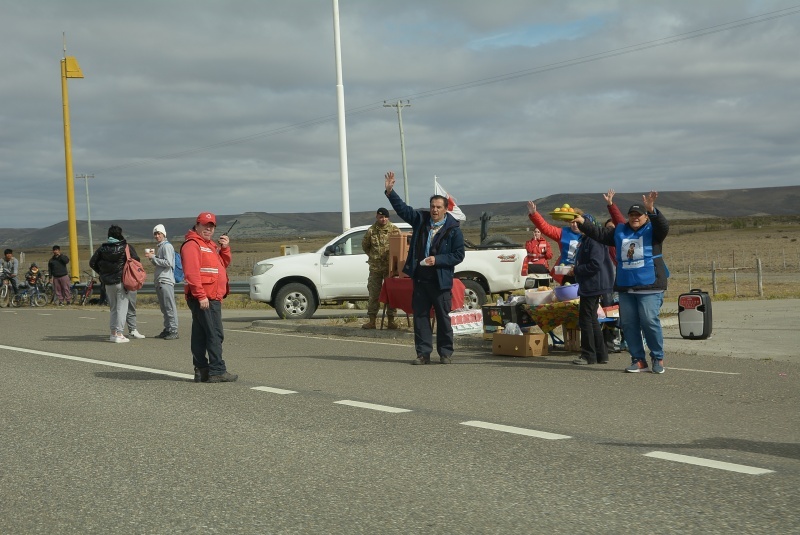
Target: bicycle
[(6, 293), (30, 293), (45, 285), (80, 292)]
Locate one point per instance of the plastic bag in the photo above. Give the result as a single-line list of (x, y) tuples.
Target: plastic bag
[(512, 328)]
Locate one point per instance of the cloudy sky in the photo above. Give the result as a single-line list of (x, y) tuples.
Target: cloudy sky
[(230, 106)]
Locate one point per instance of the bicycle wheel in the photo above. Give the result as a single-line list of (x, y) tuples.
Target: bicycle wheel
[(4, 300), (38, 300), (16, 301), (49, 293)]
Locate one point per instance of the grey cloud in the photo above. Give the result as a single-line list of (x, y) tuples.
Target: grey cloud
[(187, 104)]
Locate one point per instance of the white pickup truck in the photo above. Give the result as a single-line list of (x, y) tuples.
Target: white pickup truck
[(296, 284)]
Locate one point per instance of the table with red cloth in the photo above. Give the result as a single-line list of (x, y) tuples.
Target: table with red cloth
[(551, 315), (396, 293)]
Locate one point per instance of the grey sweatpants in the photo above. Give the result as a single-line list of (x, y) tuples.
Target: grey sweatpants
[(118, 302), (166, 301)]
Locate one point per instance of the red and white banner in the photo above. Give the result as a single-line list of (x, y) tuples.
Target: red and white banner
[(452, 207)]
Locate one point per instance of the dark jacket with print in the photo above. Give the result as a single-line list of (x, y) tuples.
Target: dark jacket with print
[(447, 246), (594, 270), (109, 260)]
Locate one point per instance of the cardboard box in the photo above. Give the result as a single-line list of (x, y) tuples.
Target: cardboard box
[(516, 345), (398, 252), (499, 315), (612, 311)]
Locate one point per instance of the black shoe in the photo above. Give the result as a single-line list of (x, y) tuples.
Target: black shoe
[(583, 361), (445, 360), (224, 378), (421, 360), (162, 334), (201, 375), (171, 336)]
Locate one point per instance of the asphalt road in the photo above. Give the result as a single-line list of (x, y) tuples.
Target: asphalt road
[(101, 438)]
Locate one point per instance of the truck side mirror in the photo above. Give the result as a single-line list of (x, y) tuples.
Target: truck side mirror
[(329, 251)]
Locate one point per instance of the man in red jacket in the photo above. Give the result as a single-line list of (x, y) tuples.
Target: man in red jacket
[(204, 267)]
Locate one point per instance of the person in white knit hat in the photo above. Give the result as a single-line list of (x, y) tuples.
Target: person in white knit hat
[(163, 258)]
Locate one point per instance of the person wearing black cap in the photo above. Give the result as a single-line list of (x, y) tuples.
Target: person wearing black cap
[(641, 278), (376, 245)]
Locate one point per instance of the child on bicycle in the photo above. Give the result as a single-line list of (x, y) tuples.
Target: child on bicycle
[(33, 276)]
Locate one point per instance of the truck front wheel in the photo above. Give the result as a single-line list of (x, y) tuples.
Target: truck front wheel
[(474, 294), (295, 301)]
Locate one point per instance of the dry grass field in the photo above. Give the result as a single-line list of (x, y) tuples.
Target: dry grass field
[(689, 250)]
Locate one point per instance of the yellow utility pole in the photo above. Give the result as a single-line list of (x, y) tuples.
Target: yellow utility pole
[(70, 69)]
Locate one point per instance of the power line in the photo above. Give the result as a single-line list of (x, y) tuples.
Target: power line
[(723, 27)]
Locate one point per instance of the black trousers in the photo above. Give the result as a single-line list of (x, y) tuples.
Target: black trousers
[(593, 347), (427, 294), (207, 336)]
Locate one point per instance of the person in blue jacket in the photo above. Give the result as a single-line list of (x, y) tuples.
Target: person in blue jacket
[(641, 278), (436, 248), (594, 273)]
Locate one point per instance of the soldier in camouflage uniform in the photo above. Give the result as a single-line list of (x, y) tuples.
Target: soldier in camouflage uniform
[(376, 245)]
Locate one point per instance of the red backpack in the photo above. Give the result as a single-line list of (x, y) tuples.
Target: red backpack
[(133, 275)]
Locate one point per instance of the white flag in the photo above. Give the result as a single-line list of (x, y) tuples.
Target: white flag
[(452, 207)]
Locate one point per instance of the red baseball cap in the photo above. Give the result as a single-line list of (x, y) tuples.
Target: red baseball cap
[(207, 217)]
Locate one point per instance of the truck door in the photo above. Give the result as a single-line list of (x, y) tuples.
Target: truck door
[(344, 271)]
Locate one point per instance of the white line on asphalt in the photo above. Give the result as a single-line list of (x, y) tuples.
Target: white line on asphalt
[(348, 340), (93, 361), (273, 390), (699, 461), (515, 430), (85, 318), (361, 404), (703, 371)]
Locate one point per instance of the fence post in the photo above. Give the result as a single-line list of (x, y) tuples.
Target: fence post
[(713, 277), (689, 269), (760, 279)]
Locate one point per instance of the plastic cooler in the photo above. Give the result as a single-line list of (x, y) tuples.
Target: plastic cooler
[(694, 314)]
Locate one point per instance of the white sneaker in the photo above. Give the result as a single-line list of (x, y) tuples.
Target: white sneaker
[(136, 334), (118, 339)]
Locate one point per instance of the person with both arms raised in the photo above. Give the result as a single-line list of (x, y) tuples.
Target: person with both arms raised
[(641, 278)]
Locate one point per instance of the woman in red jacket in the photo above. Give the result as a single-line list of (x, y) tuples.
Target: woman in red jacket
[(539, 253), (567, 238)]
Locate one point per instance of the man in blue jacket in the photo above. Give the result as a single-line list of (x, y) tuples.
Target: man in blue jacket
[(437, 247)]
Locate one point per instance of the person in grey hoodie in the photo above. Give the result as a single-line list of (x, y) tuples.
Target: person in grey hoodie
[(164, 261)]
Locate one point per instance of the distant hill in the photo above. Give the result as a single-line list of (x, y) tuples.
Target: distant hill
[(734, 203)]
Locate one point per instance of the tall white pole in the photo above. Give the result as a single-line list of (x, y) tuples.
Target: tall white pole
[(342, 129), (88, 211)]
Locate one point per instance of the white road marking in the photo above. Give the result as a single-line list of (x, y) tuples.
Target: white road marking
[(85, 318), (699, 461), (273, 390), (93, 361), (701, 371), (361, 404), (515, 430), (346, 340)]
